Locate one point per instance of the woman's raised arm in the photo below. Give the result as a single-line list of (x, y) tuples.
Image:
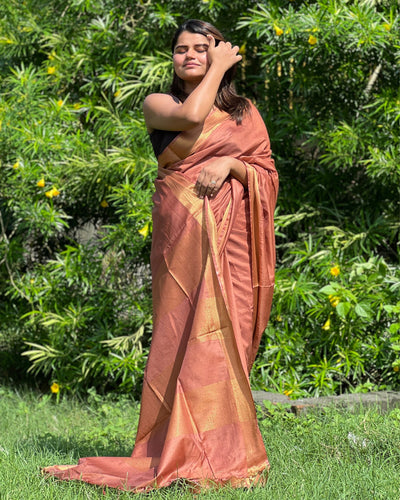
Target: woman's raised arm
[(162, 111)]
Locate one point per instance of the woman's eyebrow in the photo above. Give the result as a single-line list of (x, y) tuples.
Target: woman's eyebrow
[(203, 45)]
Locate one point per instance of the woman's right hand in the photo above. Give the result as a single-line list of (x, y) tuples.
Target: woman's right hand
[(223, 54)]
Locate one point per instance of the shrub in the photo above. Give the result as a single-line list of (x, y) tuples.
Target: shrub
[(77, 172)]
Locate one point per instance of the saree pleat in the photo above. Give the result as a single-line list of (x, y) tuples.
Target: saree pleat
[(213, 273)]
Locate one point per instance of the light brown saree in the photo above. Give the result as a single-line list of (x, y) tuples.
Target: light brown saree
[(213, 274)]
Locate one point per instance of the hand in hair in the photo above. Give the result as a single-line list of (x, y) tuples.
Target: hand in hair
[(223, 54)]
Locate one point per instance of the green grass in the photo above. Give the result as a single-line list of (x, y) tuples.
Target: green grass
[(329, 455)]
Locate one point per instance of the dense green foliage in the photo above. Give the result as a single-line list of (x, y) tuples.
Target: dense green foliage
[(331, 454), (77, 172)]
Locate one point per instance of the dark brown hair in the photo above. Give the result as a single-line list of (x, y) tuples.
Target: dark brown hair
[(226, 98)]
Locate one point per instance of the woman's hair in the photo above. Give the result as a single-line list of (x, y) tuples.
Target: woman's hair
[(226, 98)]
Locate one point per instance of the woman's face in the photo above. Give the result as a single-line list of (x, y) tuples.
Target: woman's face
[(190, 57)]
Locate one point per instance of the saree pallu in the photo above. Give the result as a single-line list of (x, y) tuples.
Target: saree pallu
[(212, 265)]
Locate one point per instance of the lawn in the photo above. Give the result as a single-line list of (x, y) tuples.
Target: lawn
[(324, 455)]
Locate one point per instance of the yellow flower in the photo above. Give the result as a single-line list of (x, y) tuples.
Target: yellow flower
[(242, 50), (117, 93), (327, 325), (104, 204), (279, 318), (31, 281), (278, 30), (334, 300), (52, 193), (51, 70), (396, 368), (16, 165), (60, 102), (77, 105), (387, 26), (41, 183), (335, 271), (288, 392), (312, 40), (52, 55), (55, 388), (144, 231)]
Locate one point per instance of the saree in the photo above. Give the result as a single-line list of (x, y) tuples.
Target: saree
[(212, 263)]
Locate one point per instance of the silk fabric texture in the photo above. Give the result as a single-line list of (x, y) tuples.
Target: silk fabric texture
[(212, 264)]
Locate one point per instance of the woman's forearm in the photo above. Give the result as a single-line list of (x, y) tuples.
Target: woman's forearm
[(238, 170), (200, 101)]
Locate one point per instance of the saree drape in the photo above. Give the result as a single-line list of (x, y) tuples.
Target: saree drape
[(212, 264)]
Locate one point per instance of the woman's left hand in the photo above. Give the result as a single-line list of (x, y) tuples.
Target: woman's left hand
[(215, 173), (211, 177)]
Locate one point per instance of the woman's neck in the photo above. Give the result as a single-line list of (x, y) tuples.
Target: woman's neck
[(190, 86)]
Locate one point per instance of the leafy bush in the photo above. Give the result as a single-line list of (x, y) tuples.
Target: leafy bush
[(333, 327), (77, 173), (75, 213)]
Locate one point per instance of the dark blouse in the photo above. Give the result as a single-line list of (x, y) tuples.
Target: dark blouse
[(160, 140)]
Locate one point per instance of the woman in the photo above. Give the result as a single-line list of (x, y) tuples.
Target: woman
[(213, 272)]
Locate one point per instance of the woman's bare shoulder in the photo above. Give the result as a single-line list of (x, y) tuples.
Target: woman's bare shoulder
[(157, 99)]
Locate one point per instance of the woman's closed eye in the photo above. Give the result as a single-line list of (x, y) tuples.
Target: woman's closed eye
[(197, 48), (201, 48)]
